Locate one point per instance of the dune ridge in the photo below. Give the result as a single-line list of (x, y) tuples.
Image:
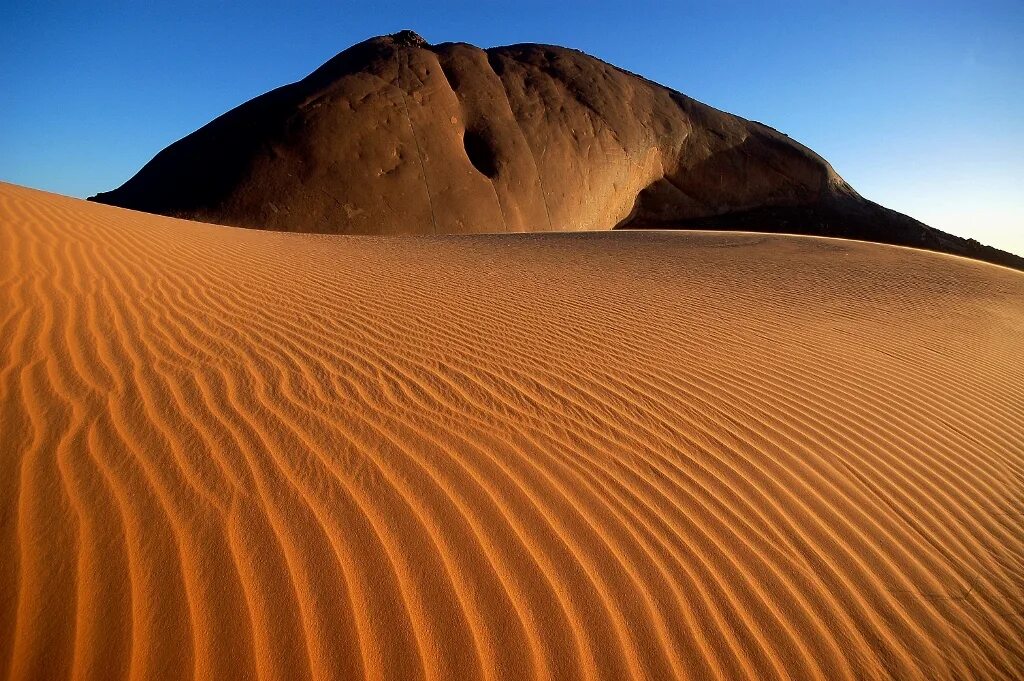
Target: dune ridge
[(240, 454)]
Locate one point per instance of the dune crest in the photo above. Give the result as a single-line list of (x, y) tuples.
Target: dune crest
[(240, 454)]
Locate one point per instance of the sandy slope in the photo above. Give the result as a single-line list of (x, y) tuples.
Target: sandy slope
[(231, 453)]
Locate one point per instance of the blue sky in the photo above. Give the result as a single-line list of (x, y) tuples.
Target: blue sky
[(920, 106)]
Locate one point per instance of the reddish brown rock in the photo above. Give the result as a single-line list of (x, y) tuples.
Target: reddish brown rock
[(397, 136)]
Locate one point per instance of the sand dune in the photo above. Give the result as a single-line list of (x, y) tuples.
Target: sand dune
[(243, 454)]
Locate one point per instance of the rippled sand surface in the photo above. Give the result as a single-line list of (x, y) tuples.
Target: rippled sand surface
[(241, 454)]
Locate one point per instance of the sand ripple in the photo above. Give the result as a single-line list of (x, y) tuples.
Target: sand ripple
[(236, 454)]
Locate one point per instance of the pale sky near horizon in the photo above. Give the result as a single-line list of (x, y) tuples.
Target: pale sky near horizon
[(919, 105)]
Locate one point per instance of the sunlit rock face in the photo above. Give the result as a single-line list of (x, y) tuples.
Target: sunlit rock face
[(397, 136)]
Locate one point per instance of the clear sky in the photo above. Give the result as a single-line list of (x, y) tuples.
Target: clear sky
[(920, 106)]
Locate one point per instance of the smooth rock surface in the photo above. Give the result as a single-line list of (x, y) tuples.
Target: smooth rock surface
[(395, 135)]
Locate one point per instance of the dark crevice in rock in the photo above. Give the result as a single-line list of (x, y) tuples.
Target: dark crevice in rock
[(481, 153)]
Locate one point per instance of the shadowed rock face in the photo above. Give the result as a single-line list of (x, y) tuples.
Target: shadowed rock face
[(398, 136)]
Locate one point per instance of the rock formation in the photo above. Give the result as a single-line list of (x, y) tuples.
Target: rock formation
[(397, 136)]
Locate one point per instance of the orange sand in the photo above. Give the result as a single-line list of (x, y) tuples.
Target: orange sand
[(241, 454)]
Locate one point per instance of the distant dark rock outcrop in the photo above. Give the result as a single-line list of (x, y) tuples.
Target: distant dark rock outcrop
[(395, 135)]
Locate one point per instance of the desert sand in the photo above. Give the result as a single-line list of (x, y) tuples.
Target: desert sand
[(232, 453)]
